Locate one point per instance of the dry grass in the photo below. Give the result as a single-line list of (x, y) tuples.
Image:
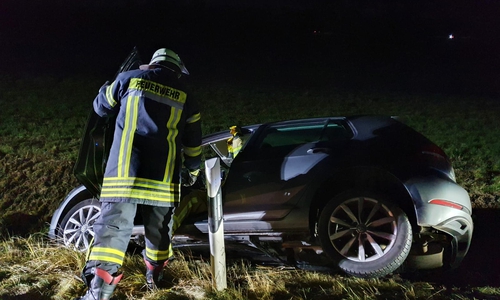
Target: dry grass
[(33, 268), (39, 140)]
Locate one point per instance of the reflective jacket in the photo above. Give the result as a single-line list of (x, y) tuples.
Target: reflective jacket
[(155, 118), (234, 145)]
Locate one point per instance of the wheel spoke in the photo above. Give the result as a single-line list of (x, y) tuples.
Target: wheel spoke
[(340, 234), (349, 212), (89, 213), (373, 212), (75, 221), (86, 242), (381, 221), (361, 248), (361, 202), (79, 241), (384, 235), (92, 214), (81, 216), (94, 217), (70, 231), (375, 245), (347, 246), (339, 221), (71, 238)]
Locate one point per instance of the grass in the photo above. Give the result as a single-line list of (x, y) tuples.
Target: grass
[(32, 268), (41, 122)]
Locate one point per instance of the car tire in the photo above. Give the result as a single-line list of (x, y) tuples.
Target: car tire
[(364, 234), (76, 230)]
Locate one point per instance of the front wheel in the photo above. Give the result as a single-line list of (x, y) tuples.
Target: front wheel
[(77, 227), (365, 235)]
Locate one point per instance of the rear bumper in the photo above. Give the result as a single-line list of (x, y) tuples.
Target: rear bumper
[(455, 222)]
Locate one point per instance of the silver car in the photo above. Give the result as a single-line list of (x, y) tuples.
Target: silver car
[(369, 193)]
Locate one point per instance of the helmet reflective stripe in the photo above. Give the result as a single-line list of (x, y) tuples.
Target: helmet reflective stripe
[(170, 56)]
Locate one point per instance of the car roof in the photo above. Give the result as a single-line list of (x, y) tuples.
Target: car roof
[(359, 123)]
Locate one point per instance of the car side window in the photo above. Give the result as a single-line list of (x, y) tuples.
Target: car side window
[(220, 148), (278, 141), (335, 132), (288, 136)]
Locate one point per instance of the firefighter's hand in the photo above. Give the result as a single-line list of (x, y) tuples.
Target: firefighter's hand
[(188, 178)]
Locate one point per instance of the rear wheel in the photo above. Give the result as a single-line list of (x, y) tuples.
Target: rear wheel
[(77, 226), (364, 234)]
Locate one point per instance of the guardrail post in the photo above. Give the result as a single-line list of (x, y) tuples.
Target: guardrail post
[(216, 224)]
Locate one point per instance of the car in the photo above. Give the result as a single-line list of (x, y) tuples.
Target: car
[(369, 194)]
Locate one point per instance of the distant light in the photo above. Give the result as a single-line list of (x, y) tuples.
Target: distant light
[(451, 36)]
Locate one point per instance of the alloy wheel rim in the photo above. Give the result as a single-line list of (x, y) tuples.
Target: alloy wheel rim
[(362, 229), (78, 231)]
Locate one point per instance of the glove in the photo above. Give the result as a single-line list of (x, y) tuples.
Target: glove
[(188, 178)]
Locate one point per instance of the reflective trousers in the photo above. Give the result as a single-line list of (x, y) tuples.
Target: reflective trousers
[(114, 227)]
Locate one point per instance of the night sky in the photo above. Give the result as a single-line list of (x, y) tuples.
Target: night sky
[(393, 45)]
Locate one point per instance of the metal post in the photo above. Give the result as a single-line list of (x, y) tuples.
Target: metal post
[(216, 224)]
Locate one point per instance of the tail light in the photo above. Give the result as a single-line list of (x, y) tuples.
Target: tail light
[(434, 151), (446, 203)]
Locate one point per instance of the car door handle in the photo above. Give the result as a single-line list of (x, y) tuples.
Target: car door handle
[(319, 150)]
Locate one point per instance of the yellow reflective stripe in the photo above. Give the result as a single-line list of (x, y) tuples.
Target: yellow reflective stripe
[(140, 182), (170, 197), (237, 148), (107, 254), (194, 118), (159, 255), (109, 95), (173, 121), (192, 151), (128, 136), (106, 258), (135, 117), (140, 188)]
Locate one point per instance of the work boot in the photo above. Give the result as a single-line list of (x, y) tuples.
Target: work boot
[(101, 286), (154, 274)]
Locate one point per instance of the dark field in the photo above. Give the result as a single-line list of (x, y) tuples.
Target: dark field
[(251, 65)]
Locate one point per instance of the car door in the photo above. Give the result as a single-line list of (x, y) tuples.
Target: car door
[(269, 177)]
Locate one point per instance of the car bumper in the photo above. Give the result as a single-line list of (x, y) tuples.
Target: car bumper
[(454, 220)]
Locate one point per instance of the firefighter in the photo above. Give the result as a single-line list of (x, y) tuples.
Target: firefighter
[(156, 116), (234, 143)]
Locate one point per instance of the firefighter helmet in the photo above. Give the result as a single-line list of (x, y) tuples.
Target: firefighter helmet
[(169, 56)]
